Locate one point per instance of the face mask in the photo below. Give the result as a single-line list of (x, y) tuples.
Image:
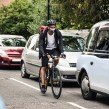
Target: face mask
[(52, 29)]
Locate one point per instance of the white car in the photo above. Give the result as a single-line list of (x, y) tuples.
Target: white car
[(73, 46), (93, 64)]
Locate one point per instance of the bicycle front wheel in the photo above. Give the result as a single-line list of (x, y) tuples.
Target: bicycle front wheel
[(56, 83)]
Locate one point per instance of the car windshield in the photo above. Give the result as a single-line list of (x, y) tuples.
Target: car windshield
[(14, 42), (73, 44)]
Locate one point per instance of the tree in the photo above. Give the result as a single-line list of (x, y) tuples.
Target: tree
[(15, 18), (83, 13), (39, 15)]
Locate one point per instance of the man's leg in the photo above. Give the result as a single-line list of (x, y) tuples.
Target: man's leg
[(56, 53), (43, 71), (56, 60)]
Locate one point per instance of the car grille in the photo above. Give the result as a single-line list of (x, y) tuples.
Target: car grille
[(72, 64), (14, 55), (15, 62)]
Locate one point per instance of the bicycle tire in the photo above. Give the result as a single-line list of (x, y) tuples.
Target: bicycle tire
[(56, 83)]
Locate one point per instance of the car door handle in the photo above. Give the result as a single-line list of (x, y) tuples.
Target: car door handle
[(91, 63)]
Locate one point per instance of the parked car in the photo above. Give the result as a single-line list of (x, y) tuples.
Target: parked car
[(93, 64), (73, 47), (11, 47)]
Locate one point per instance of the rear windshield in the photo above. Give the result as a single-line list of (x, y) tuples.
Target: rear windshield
[(14, 42), (73, 44)]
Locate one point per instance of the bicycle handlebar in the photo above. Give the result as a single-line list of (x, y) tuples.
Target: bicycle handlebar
[(53, 57)]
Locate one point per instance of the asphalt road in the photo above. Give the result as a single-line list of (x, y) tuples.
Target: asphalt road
[(20, 93)]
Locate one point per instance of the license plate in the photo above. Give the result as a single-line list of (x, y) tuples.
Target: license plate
[(16, 60)]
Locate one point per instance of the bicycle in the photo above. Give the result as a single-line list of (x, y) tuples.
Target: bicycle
[(52, 77)]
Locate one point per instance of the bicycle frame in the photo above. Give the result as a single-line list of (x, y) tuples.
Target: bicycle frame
[(50, 70)]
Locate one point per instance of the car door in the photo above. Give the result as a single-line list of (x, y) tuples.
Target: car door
[(102, 60), (98, 62), (30, 56), (36, 56), (99, 72)]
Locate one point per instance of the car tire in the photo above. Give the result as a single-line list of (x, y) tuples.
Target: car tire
[(87, 93), (23, 71)]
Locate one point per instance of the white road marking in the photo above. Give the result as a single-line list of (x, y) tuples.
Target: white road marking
[(25, 84), (71, 103), (76, 105)]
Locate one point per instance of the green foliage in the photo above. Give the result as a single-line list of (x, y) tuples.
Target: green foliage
[(39, 15), (83, 13), (15, 18), (25, 17)]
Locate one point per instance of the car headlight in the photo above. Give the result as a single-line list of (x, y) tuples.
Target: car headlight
[(2, 53), (63, 62)]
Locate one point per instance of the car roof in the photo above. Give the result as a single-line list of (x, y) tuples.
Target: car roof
[(104, 23), (74, 33), (71, 35), (10, 36), (63, 34)]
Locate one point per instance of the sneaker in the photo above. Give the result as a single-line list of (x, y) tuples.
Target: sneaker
[(43, 90)]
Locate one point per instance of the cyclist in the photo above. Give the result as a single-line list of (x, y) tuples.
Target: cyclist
[(50, 43)]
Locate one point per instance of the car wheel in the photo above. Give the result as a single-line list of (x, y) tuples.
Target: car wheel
[(87, 93), (23, 71)]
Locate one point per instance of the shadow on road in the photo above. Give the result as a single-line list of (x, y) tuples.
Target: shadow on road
[(100, 99), (9, 68), (34, 78), (104, 99), (70, 85)]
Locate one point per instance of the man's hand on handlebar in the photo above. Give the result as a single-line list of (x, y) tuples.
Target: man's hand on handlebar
[(48, 56), (63, 55)]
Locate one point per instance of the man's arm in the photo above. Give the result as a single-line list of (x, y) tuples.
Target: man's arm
[(41, 44), (60, 42)]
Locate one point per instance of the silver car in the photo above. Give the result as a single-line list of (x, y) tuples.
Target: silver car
[(73, 47)]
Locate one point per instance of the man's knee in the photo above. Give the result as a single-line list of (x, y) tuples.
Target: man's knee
[(43, 68), (56, 60)]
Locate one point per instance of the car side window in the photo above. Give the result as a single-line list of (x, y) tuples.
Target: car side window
[(91, 40), (37, 45), (29, 42), (32, 43), (103, 40)]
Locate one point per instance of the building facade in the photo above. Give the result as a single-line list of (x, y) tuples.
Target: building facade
[(5, 2)]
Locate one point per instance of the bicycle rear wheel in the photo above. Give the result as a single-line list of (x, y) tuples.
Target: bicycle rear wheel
[(56, 83)]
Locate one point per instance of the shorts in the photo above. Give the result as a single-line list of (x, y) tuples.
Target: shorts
[(45, 59)]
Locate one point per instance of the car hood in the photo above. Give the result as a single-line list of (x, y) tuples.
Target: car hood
[(72, 57), (12, 50)]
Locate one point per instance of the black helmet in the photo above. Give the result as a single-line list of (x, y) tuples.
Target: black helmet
[(51, 22)]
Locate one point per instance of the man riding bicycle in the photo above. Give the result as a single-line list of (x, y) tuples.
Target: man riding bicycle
[(50, 43)]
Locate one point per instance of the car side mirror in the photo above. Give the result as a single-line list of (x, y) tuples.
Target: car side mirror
[(37, 49)]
